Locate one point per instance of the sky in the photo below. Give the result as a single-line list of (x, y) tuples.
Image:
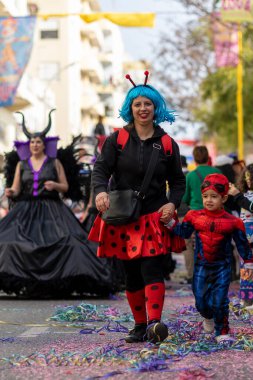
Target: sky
[(140, 42)]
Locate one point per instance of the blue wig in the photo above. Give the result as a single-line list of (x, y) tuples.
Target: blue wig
[(162, 113)]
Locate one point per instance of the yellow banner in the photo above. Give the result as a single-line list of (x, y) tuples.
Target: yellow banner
[(146, 20), (237, 10)]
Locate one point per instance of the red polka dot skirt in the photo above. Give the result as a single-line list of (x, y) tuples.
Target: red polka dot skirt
[(145, 238)]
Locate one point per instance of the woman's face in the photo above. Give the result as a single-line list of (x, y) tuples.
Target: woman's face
[(36, 145), (143, 110)]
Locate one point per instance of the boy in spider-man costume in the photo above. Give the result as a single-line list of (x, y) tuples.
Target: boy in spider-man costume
[(215, 228)]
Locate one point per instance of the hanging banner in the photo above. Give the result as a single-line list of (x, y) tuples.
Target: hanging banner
[(225, 37), (123, 19), (237, 10), (146, 20), (16, 40)]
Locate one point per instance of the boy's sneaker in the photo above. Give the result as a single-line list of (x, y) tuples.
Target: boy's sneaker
[(223, 338), (137, 334), (208, 325), (157, 332)]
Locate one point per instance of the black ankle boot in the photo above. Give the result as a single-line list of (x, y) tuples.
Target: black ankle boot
[(137, 334), (157, 332)]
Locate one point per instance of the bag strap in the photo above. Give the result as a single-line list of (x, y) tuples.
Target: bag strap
[(150, 171), (123, 137), (199, 175), (167, 144)]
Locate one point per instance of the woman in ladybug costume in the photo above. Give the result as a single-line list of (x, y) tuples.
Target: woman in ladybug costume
[(142, 245)]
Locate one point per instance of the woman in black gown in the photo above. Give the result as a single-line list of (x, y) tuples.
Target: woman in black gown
[(43, 247)]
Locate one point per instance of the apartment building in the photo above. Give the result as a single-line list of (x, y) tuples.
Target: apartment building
[(28, 95), (82, 63)]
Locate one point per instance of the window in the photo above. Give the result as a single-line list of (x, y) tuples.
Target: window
[(49, 29)]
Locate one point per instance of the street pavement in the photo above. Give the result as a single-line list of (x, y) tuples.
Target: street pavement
[(84, 339)]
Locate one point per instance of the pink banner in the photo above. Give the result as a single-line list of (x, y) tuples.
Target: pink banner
[(236, 10), (228, 5), (225, 43)]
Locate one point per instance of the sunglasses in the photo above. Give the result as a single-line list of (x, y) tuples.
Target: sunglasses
[(218, 186)]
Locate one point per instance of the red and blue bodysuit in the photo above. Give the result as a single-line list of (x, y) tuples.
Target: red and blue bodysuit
[(212, 257)]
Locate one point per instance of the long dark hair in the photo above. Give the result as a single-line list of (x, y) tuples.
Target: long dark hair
[(242, 184)]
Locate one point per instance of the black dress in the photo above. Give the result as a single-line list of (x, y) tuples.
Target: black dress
[(43, 247)]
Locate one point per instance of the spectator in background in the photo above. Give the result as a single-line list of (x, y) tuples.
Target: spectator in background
[(224, 163), (210, 161), (238, 167), (193, 196), (245, 185), (99, 127), (194, 179)]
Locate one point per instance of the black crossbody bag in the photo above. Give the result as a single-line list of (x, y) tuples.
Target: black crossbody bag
[(125, 205)]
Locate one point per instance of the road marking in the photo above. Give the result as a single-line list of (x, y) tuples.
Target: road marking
[(33, 332)]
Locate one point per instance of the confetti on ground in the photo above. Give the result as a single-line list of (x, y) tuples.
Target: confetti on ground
[(187, 354), (89, 313), (7, 340)]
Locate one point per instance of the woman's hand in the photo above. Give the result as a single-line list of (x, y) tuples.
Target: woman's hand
[(167, 212), (9, 192), (102, 201), (50, 185), (233, 190)]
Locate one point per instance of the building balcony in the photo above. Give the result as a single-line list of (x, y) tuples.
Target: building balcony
[(93, 33), (3, 10), (91, 66), (94, 5), (90, 101), (11, 8), (106, 58), (106, 89)]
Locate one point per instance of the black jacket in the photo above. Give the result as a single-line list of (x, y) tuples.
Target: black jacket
[(128, 168), (239, 201)]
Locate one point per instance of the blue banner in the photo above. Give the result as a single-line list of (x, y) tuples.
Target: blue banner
[(16, 40)]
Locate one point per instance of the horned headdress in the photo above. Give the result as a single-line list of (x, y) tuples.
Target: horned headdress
[(23, 148)]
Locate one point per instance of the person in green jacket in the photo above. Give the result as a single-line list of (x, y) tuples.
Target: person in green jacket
[(194, 179), (193, 198)]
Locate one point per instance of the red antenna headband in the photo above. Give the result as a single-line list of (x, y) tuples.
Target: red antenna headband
[(146, 73)]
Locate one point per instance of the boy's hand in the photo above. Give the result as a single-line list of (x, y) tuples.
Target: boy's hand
[(172, 224)]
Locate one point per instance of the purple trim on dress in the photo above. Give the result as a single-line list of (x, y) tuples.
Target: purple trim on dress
[(36, 174), (23, 149)]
